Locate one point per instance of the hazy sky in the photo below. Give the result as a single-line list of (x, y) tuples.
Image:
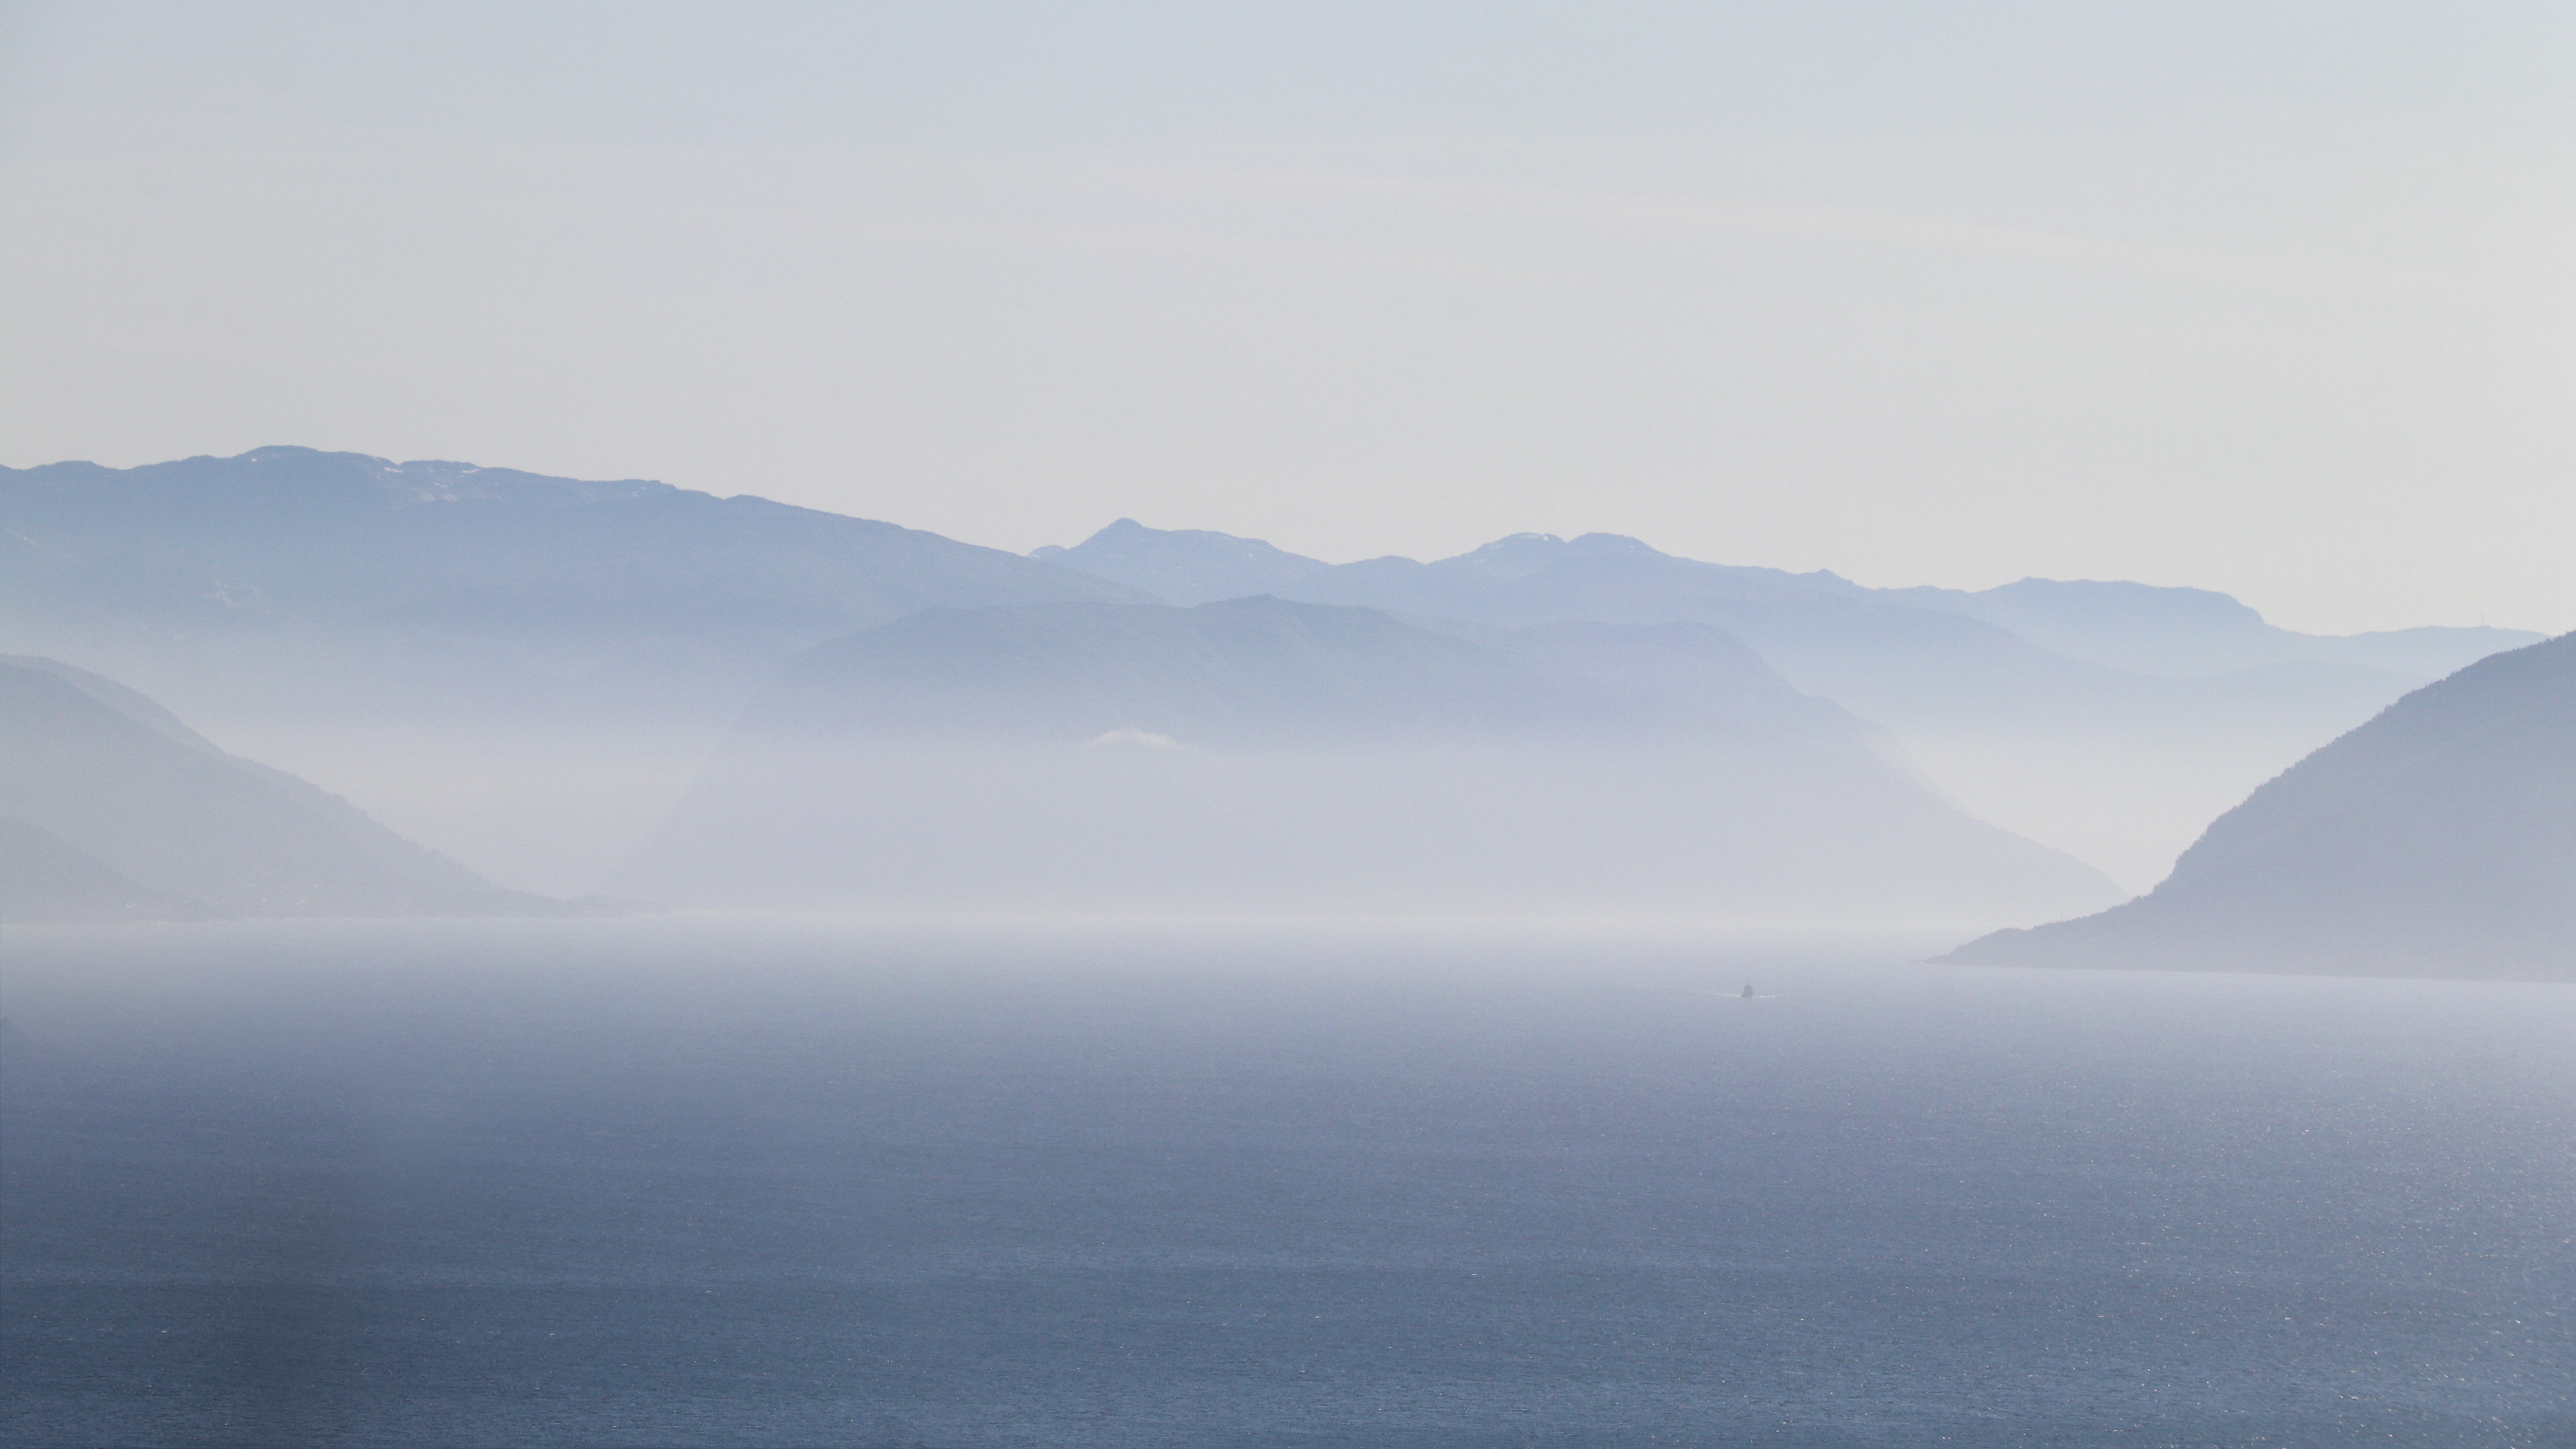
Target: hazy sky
[(2273, 298)]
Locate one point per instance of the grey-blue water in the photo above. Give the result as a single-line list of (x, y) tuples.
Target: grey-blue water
[(695, 1182)]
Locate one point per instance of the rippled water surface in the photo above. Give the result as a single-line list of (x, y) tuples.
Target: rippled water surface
[(705, 1182)]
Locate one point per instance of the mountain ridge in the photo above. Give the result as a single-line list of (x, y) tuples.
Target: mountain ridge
[(427, 542), (2096, 621)]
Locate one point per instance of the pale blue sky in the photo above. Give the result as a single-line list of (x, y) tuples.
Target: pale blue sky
[(2276, 299)]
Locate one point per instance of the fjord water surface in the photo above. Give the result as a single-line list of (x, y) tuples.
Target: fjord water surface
[(720, 1182)]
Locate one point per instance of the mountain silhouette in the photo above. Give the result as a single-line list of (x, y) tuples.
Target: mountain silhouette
[(2439, 839), (1263, 755)]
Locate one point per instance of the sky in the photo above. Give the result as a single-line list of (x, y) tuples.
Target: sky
[(2277, 299)]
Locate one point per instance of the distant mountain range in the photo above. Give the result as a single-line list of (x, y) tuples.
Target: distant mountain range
[(2145, 712), (1260, 755), (112, 809), (2439, 839), (2137, 627), (530, 671)]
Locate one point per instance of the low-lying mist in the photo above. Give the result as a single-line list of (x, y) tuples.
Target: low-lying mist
[(1135, 822)]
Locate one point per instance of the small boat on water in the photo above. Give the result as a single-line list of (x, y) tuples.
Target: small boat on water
[(1747, 993)]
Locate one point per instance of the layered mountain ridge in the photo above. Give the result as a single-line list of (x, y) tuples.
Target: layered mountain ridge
[(530, 671)]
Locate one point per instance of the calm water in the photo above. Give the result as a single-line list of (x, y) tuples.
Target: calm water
[(692, 1182)]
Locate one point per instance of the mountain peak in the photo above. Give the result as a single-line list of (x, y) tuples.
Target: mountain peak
[(1519, 555), (1184, 565)]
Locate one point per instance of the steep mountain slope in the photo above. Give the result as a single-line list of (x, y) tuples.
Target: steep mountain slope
[(1262, 755), (2438, 839), (119, 811)]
